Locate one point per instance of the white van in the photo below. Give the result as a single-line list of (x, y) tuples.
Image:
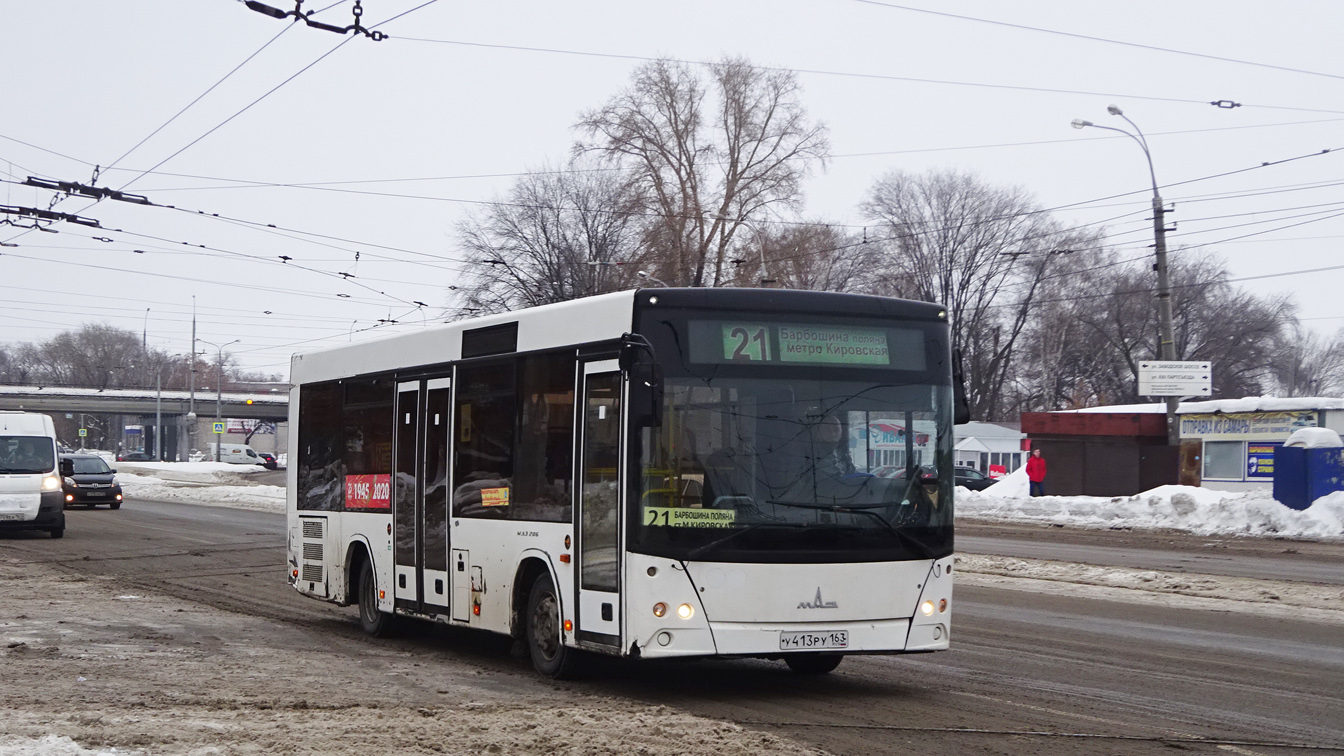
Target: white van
[(238, 454), (31, 497)]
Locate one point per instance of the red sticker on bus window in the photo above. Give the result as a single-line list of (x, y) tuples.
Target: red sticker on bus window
[(494, 497), (368, 492)]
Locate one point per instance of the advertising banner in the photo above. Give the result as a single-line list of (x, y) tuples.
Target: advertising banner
[(368, 492), (1266, 425), (1260, 459), (246, 426)]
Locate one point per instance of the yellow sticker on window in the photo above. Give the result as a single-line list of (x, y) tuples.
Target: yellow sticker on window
[(682, 517), (494, 497)]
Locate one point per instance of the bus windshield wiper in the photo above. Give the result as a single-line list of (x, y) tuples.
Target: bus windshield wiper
[(866, 510), (699, 550)]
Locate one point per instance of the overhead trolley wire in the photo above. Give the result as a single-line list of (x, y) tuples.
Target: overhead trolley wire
[(1089, 38), (856, 75)]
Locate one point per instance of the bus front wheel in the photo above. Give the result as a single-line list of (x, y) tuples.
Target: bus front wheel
[(549, 654), (813, 664), (376, 623)]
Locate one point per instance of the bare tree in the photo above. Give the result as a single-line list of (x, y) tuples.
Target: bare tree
[(984, 252), (1307, 364), (812, 256), (1114, 326), (712, 157), (560, 235)]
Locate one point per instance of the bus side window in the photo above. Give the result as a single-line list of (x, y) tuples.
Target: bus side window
[(544, 461), (321, 473), (484, 457)]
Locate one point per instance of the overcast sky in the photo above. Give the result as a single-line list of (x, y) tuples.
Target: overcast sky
[(386, 146)]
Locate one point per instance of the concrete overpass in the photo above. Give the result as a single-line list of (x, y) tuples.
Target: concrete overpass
[(272, 406), (127, 411)]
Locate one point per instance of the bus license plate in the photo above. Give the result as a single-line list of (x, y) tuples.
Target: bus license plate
[(808, 641)]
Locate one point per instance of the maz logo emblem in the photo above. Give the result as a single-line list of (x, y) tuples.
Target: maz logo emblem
[(818, 603)]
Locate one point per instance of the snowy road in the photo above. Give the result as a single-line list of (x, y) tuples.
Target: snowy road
[(1032, 671), (1270, 559)]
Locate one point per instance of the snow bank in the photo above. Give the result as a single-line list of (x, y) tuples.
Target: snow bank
[(207, 483), (218, 473), (265, 498), (1314, 438), (1014, 485), (1195, 510)]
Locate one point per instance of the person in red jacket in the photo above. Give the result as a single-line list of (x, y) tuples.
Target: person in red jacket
[(1036, 472)]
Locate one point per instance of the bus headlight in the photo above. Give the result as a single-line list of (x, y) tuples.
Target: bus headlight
[(51, 483), (926, 608), (685, 611)]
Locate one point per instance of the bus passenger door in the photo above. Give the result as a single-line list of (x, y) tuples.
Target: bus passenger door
[(406, 493), (599, 506), (433, 520)]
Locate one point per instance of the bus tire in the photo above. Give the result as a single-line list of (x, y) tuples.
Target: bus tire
[(813, 664), (549, 654), (376, 623)]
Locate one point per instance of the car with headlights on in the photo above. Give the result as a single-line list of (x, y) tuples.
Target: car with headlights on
[(86, 479)]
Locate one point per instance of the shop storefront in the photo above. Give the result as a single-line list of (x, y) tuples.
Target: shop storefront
[(1239, 436)]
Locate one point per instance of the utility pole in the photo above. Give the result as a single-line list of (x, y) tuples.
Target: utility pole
[(219, 390), (191, 384), (1166, 332)]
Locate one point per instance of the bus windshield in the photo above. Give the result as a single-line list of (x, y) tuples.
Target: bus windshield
[(817, 463)]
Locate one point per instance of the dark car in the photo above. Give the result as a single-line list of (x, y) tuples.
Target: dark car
[(88, 480), (969, 477), (268, 461), (135, 457)]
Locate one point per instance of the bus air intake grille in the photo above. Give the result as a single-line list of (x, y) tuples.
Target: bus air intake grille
[(313, 528), (312, 573), (312, 552)]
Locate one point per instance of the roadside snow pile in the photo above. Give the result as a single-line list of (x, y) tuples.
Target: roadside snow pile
[(1196, 510), (210, 483), (215, 473), (1314, 438)]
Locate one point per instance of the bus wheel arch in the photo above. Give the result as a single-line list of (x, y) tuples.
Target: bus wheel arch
[(356, 554), (529, 569), (545, 636)]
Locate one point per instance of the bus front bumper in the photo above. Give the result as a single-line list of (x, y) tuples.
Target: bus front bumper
[(775, 639)]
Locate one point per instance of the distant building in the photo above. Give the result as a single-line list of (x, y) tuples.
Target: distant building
[(992, 448), (1238, 437), (1226, 444)]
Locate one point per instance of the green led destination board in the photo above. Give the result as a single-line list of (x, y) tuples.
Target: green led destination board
[(720, 341), (833, 345)]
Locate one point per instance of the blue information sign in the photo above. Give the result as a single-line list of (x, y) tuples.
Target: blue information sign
[(1260, 459)]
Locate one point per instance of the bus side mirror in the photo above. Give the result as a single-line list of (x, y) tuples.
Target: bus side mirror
[(646, 395), (638, 361), (67, 467), (961, 409)]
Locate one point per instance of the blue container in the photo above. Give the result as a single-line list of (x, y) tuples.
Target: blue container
[(1302, 476)]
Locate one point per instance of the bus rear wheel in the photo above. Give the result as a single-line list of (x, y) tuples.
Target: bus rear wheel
[(377, 623), (813, 664), (549, 654)]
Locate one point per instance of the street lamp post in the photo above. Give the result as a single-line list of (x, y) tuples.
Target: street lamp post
[(1167, 332), (219, 386)]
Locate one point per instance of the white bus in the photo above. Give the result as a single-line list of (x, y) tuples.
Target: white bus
[(655, 473)]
